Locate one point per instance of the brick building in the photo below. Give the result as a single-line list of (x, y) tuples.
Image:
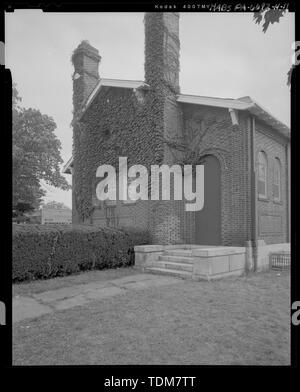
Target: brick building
[(244, 148)]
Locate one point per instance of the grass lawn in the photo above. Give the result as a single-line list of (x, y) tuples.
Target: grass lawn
[(238, 321)]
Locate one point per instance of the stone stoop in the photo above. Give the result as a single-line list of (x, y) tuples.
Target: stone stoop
[(174, 264), (193, 262)]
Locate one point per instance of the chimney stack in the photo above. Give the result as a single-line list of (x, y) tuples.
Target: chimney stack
[(86, 61), (162, 47)]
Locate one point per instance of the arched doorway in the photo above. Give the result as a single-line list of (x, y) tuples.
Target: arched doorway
[(208, 220)]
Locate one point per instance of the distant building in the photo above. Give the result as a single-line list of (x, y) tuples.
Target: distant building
[(56, 215)]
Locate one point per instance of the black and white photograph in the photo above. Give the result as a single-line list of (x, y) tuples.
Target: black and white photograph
[(151, 187)]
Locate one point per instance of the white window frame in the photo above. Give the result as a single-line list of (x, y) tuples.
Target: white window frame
[(277, 166), (262, 155)]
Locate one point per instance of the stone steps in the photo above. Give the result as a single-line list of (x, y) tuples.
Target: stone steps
[(179, 252), (193, 261), (173, 265), (176, 259), (176, 273)]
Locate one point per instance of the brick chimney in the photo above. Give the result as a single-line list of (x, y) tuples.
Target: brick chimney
[(162, 49), (86, 61), (162, 74)]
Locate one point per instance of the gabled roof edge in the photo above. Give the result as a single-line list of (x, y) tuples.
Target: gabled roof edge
[(238, 104), (114, 83)]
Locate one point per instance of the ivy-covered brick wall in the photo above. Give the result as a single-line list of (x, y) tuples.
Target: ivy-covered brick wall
[(117, 124), (149, 127), (272, 213), (121, 122)]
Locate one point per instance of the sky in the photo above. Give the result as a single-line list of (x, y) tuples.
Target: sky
[(222, 55)]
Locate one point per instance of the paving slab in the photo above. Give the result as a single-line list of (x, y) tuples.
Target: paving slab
[(133, 278), (79, 295), (24, 307), (78, 300), (67, 292), (104, 293), (58, 294), (149, 283)]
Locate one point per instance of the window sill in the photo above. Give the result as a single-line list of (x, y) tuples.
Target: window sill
[(279, 202), (129, 202), (110, 203), (265, 199)]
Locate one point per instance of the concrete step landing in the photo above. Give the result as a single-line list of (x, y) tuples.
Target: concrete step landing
[(176, 259), (195, 262), (172, 272), (180, 264), (179, 252), (173, 265)]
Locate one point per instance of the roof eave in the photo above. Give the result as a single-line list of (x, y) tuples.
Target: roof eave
[(225, 103), (249, 105), (269, 119), (131, 84), (67, 169)]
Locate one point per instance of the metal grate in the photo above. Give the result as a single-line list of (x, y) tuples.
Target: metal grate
[(280, 260)]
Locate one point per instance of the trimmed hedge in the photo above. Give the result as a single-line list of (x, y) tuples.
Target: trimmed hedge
[(44, 251)]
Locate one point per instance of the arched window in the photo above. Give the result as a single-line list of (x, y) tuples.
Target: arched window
[(277, 180), (262, 175)]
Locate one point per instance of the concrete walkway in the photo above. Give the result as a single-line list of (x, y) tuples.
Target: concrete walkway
[(65, 298)]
